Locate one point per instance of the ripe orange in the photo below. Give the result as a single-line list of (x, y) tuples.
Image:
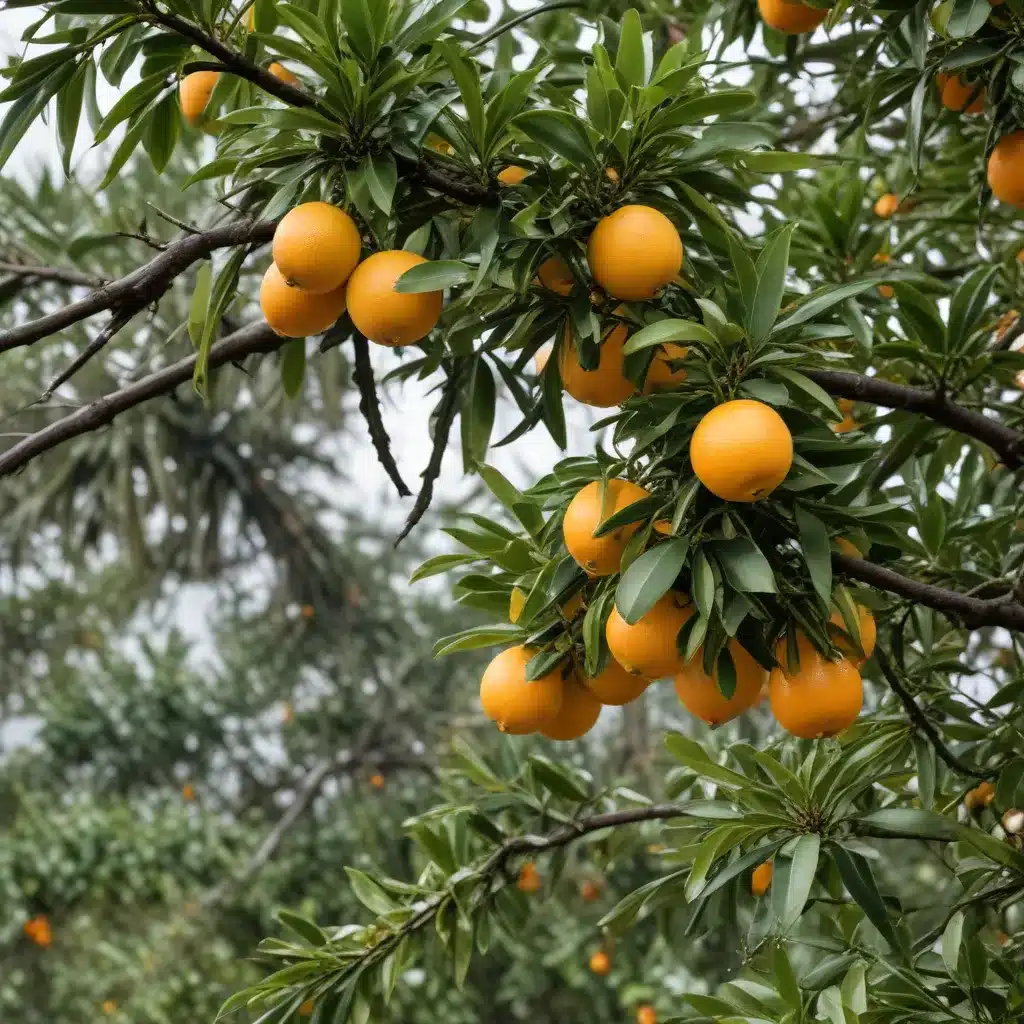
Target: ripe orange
[(817, 697), (379, 312), (646, 1015), (660, 375), (541, 357), (886, 206), (742, 450), (306, 1009), (604, 386), (958, 94), (886, 291), (981, 796), (109, 1006), (700, 695), (188, 793), (791, 18), (293, 313), (517, 705), (868, 635), (634, 252), (590, 892), (1006, 169), (601, 963), (845, 405), (280, 72), (761, 878), (194, 93), (39, 931), (612, 175), (555, 275), (599, 556), (377, 781), (615, 686), (513, 175), (529, 879), (577, 715), (845, 425), (649, 647), (316, 247), (847, 548)]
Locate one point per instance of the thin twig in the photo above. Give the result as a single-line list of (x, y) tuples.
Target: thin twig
[(442, 430), (369, 406), (117, 321), (922, 723), (39, 273), (499, 30)]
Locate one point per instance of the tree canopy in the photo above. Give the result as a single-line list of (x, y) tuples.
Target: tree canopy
[(777, 245)]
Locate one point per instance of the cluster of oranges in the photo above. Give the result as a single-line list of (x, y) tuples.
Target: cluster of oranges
[(39, 931), (317, 274), (740, 451), (195, 89)]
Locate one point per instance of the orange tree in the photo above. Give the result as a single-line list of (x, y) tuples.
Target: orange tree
[(785, 264)]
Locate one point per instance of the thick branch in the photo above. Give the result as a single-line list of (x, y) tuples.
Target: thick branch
[(135, 291), (254, 338), (923, 724), (1005, 441), (369, 406), (974, 611)]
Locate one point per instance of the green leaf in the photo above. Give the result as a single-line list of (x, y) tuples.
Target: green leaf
[(133, 100), (467, 78), (475, 638), (668, 331), (855, 872), (69, 111), (808, 387), (434, 276), (381, 176), (162, 132), (770, 270), (293, 366), (359, 27), (703, 583), (369, 893), (649, 578), (630, 59), (745, 565), (823, 300), (224, 288), (438, 564), (797, 888), (814, 540), (743, 267), (951, 939), (306, 930), (968, 305), (560, 133), (478, 413), (967, 17), (909, 821), (200, 301), (785, 979)]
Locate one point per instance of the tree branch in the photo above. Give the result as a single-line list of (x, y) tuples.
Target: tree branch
[(247, 341), (369, 406), (140, 288), (924, 725), (60, 274), (442, 431), (1005, 441), (975, 612), (117, 321)]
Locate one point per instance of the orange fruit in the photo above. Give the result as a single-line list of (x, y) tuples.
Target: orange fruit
[(541, 357), (646, 1015), (555, 275), (379, 312), (1006, 169), (761, 878), (817, 697), (39, 931), (590, 892), (660, 375), (280, 72), (699, 693), (868, 635), (188, 792), (886, 291), (612, 175), (741, 450), (194, 93), (984, 793), (306, 1009), (577, 715), (1020, 256), (615, 686), (959, 94), (293, 313), (634, 252), (316, 247), (517, 705), (513, 175), (846, 548), (529, 879), (845, 405), (601, 963), (109, 1006), (1006, 321), (648, 648), (886, 205), (791, 18), (377, 781), (604, 386), (599, 556), (845, 425)]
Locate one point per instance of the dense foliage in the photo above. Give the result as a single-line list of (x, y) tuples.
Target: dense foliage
[(659, 209)]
